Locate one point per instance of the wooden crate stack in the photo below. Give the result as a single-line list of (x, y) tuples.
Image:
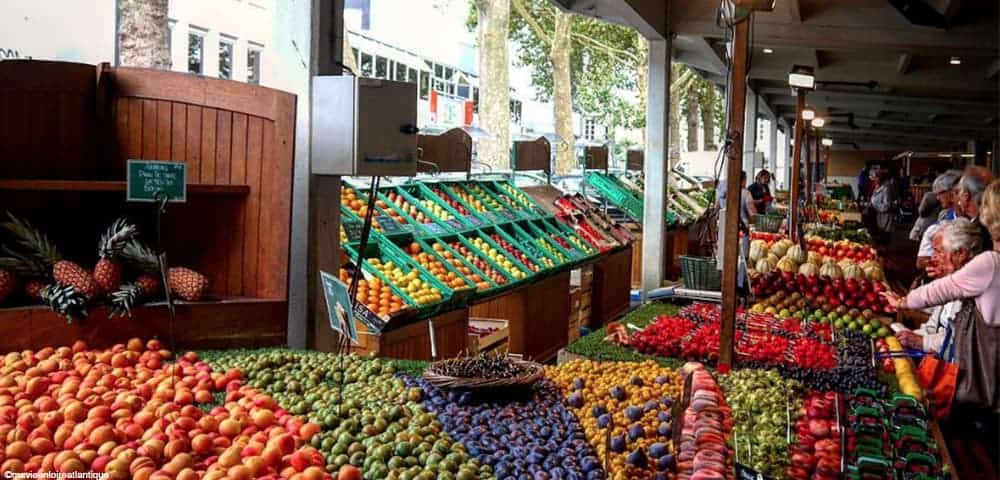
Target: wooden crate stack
[(581, 282)]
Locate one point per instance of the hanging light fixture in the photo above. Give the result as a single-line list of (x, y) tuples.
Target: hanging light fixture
[(808, 113), (827, 142), (818, 122), (802, 77)]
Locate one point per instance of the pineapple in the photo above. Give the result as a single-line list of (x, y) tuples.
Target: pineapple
[(108, 271), (187, 284), (66, 301), (127, 296), (14, 266), (33, 289), (64, 272)]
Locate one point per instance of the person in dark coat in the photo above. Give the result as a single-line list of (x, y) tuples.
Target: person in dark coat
[(761, 191)]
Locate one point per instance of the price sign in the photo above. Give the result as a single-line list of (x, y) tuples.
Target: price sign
[(368, 318), (353, 229), (456, 224), (474, 221), (147, 180), (434, 229), (744, 472), (389, 226), (509, 215), (338, 306)]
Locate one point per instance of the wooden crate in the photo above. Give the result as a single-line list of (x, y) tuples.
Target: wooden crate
[(611, 290), (498, 340), (538, 314), (413, 341), (637, 261), (66, 132)]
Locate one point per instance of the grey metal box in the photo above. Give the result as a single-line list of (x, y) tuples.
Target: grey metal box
[(363, 127)]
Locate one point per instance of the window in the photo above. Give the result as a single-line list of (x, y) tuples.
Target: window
[(463, 91), (515, 111), (448, 74), (438, 71), (450, 88), (226, 57), (411, 75), (196, 52), (253, 66), (381, 67), (589, 129), (366, 65), (438, 85), (400, 72), (425, 80)]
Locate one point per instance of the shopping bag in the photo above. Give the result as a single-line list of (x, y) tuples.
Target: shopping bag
[(976, 352), (939, 379)]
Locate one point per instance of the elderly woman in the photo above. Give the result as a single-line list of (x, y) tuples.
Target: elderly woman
[(955, 243), (969, 199), (936, 204), (943, 191)]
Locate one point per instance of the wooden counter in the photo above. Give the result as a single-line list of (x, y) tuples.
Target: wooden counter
[(611, 289), (413, 341), (538, 314)]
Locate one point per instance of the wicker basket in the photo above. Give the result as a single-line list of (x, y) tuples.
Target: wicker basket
[(535, 373), (767, 223), (700, 273)]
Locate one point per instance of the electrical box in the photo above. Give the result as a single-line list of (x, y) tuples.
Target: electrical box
[(363, 127)]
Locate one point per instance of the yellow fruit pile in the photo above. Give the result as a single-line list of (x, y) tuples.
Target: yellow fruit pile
[(908, 382), (437, 268), (642, 385), (498, 258), (437, 210), (419, 290)]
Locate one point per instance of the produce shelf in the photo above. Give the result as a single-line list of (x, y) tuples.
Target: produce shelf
[(113, 186)]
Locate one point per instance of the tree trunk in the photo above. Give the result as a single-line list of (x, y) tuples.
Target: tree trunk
[(691, 102), (642, 73), (494, 93), (675, 116), (349, 60), (143, 34), (562, 93), (708, 105)]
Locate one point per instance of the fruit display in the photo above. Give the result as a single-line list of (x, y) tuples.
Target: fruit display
[(430, 262), (501, 190), (632, 402), (843, 259), (760, 400), (477, 259), (455, 204), (826, 310), (128, 413), (484, 365), (408, 210), (358, 205), (487, 250), (704, 453), (465, 267), (376, 296), (68, 288), (533, 437), (795, 292), (408, 280), (516, 194), (481, 206), (516, 252), (834, 234), (815, 451), (488, 199), (368, 417)]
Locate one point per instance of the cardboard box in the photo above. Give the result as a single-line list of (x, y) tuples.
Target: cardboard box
[(575, 297), (585, 299)]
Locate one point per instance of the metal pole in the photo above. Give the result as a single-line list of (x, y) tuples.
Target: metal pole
[(815, 173), (793, 192), (809, 176), (731, 247)]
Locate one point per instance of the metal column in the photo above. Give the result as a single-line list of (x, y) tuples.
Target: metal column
[(657, 165)]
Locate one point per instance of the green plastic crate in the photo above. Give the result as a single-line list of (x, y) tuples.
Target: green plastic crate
[(575, 239), (515, 266), (505, 232), (458, 295), (461, 240), (543, 239), (522, 197), (383, 249), (428, 246), (380, 220), (615, 193), (507, 212), (430, 228), (487, 214), (529, 244), (422, 195), (517, 200), (442, 195)]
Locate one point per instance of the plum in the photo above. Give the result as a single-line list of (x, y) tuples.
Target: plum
[(598, 410), (604, 421), (637, 381), (664, 429), (663, 416), (578, 383), (637, 458), (633, 413), (636, 432), (650, 406), (575, 400), (658, 450), (617, 444), (618, 393)]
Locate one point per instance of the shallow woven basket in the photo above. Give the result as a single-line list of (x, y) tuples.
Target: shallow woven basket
[(535, 373)]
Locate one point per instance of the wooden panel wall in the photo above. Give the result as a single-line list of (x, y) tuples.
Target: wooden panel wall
[(228, 133), (47, 110)]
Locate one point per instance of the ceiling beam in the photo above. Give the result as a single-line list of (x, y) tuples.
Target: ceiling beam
[(876, 97), (993, 69), (696, 51), (874, 106), (795, 9), (903, 64), (896, 133), (919, 123), (818, 58)]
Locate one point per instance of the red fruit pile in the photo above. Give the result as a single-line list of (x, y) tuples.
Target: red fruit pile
[(813, 354), (824, 292), (704, 343), (123, 412), (816, 451), (765, 348), (663, 337), (841, 250), (450, 201)]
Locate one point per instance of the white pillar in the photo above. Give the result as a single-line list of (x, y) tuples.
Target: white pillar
[(656, 166), (750, 134), (772, 153)]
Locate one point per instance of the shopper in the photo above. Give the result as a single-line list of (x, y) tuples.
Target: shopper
[(883, 202), (970, 196), (942, 190), (761, 192), (990, 215), (864, 183), (955, 244)]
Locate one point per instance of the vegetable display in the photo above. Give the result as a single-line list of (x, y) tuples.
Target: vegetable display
[(760, 400)]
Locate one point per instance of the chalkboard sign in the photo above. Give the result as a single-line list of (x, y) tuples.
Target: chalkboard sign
[(509, 215), (374, 323), (338, 306), (389, 226), (353, 229), (434, 229), (495, 217), (147, 180), (456, 224), (474, 221)]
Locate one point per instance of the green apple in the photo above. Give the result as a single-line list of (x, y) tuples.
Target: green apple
[(866, 329), (882, 332), (839, 324), (853, 325)]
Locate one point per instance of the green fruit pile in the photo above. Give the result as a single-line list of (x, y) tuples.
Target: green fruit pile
[(369, 418), (761, 401)]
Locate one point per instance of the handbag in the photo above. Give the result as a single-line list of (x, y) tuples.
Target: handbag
[(940, 378), (976, 352)]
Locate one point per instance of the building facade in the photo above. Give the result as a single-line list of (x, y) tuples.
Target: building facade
[(222, 38)]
